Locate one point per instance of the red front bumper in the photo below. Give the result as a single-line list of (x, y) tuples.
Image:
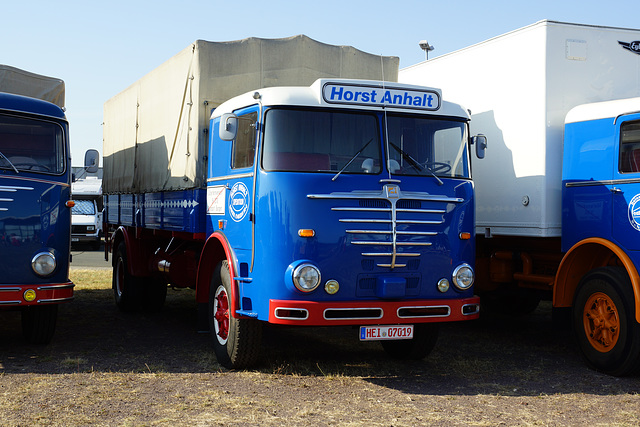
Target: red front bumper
[(23, 295), (372, 312)]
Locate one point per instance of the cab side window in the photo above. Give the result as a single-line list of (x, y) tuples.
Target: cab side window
[(244, 146), (629, 161)]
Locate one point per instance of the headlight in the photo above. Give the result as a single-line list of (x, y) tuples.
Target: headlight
[(306, 277), (43, 264), (463, 277)]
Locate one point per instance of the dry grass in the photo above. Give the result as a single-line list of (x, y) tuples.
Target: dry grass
[(110, 368), (90, 278)]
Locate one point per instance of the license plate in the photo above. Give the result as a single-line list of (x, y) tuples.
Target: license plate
[(392, 332)]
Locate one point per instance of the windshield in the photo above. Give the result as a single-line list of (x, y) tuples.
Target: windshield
[(349, 142), (31, 145), (321, 141), (427, 146), (83, 207)]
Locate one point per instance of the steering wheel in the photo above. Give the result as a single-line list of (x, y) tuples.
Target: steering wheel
[(437, 167), (30, 166)]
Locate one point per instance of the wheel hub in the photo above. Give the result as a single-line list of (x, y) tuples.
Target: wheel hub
[(601, 322), (221, 315)]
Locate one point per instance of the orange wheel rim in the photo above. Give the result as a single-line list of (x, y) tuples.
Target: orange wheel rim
[(601, 322)]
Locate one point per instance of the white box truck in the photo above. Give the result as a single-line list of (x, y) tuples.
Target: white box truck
[(556, 193)]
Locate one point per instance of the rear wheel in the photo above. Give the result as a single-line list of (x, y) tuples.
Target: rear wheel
[(424, 340), (604, 322), (236, 341), (39, 323), (126, 291)]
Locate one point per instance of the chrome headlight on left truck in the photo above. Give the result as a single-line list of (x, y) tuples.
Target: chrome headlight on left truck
[(43, 264)]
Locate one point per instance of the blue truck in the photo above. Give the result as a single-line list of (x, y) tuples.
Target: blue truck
[(35, 205), (342, 202), (557, 194)]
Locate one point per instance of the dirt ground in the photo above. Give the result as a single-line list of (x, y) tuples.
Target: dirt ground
[(109, 368)]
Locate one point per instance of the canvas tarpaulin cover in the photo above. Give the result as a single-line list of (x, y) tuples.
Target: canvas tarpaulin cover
[(155, 131), (20, 82)]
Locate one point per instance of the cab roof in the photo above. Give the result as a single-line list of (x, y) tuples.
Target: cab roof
[(350, 94)]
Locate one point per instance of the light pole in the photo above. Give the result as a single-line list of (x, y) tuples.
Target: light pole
[(424, 45)]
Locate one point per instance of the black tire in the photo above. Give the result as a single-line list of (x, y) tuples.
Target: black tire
[(604, 322), (425, 336), (236, 341), (39, 323), (126, 291)]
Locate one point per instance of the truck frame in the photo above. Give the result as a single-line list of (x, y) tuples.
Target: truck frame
[(347, 202)]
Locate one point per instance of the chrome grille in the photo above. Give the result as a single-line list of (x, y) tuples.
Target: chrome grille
[(391, 225)]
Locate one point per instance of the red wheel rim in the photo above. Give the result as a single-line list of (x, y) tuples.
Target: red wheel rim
[(601, 322), (221, 315)]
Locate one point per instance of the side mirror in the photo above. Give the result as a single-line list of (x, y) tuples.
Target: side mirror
[(480, 142), (228, 127), (91, 161)]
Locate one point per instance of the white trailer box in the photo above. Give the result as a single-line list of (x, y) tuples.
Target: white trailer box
[(519, 88), (20, 82), (155, 131)]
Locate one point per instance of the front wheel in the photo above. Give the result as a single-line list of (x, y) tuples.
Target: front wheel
[(236, 341), (604, 322), (424, 340)]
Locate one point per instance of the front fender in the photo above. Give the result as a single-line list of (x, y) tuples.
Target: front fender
[(583, 257), (216, 250)]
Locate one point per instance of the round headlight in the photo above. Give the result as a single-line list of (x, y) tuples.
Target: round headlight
[(43, 264), (332, 287), (306, 277), (463, 277), (443, 285)]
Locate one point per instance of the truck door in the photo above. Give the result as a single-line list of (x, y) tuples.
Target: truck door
[(626, 183), (233, 173)]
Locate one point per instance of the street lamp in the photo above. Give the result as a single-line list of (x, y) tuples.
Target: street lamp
[(424, 45)]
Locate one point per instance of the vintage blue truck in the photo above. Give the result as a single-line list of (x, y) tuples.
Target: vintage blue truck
[(342, 202), (35, 205)]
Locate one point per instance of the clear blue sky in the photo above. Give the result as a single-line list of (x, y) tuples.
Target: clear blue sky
[(100, 48)]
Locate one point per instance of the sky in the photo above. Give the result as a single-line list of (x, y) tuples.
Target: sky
[(101, 48)]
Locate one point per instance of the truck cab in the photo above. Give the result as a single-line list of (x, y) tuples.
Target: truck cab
[(35, 212), (600, 232), (343, 203)]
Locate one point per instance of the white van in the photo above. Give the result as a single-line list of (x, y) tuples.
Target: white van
[(86, 214)]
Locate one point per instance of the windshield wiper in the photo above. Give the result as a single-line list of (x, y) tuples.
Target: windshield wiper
[(413, 162), (355, 156), (9, 161)]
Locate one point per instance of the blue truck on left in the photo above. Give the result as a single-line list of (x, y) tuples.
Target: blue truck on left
[(35, 200)]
